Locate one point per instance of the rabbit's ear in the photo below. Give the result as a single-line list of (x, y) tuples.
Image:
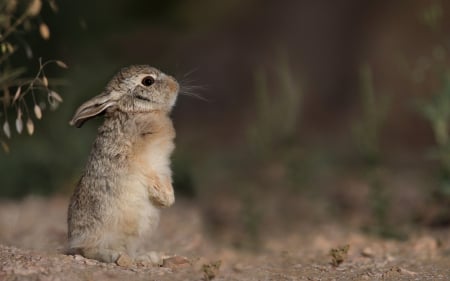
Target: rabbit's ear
[(91, 108)]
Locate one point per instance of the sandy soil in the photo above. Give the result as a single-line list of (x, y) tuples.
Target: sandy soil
[(33, 233)]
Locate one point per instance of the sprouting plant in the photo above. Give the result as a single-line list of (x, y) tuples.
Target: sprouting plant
[(432, 15), (367, 129), (251, 222), (437, 112), (367, 137), (17, 18), (277, 113)]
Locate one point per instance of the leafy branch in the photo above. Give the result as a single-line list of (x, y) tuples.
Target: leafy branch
[(18, 17)]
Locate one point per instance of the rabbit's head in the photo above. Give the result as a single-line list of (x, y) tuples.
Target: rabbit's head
[(135, 89)]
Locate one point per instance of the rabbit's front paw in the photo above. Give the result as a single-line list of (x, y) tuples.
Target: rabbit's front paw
[(161, 191)]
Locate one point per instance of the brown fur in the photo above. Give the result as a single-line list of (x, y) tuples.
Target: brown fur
[(127, 178)]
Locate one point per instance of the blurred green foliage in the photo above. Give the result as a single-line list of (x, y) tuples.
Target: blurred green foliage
[(367, 130), (436, 110), (277, 109), (265, 160)]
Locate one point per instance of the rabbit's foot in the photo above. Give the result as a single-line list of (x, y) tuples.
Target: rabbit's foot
[(102, 254), (150, 259)]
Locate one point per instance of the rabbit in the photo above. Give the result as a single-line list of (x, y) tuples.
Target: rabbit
[(127, 179)]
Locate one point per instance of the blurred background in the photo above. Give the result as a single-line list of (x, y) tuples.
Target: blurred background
[(309, 110)]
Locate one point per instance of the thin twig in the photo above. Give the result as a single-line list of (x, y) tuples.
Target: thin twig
[(13, 27)]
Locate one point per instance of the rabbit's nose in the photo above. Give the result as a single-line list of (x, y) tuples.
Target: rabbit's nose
[(172, 84)]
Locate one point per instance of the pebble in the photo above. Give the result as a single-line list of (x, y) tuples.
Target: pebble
[(368, 252), (124, 260), (176, 262)]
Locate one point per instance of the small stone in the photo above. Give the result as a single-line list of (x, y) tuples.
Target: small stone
[(390, 258), (90, 262), (426, 246), (239, 267), (176, 262), (406, 271), (124, 261), (368, 252)]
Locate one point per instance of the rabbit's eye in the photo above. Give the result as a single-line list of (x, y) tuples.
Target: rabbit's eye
[(148, 81)]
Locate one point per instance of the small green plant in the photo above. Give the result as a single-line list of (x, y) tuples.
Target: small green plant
[(251, 222), (253, 170), (437, 112), (432, 15), (211, 270), (367, 133), (277, 113), (339, 255), (20, 96), (366, 130)]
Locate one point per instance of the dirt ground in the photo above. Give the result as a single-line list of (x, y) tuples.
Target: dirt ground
[(33, 233)]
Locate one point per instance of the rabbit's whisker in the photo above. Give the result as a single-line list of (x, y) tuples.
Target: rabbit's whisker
[(193, 95)]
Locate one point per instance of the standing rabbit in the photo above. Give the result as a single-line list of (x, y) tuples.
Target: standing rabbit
[(127, 179)]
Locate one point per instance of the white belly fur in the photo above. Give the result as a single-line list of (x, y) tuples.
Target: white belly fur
[(137, 216)]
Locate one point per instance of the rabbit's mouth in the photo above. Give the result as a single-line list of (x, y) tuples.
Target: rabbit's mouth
[(143, 98)]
